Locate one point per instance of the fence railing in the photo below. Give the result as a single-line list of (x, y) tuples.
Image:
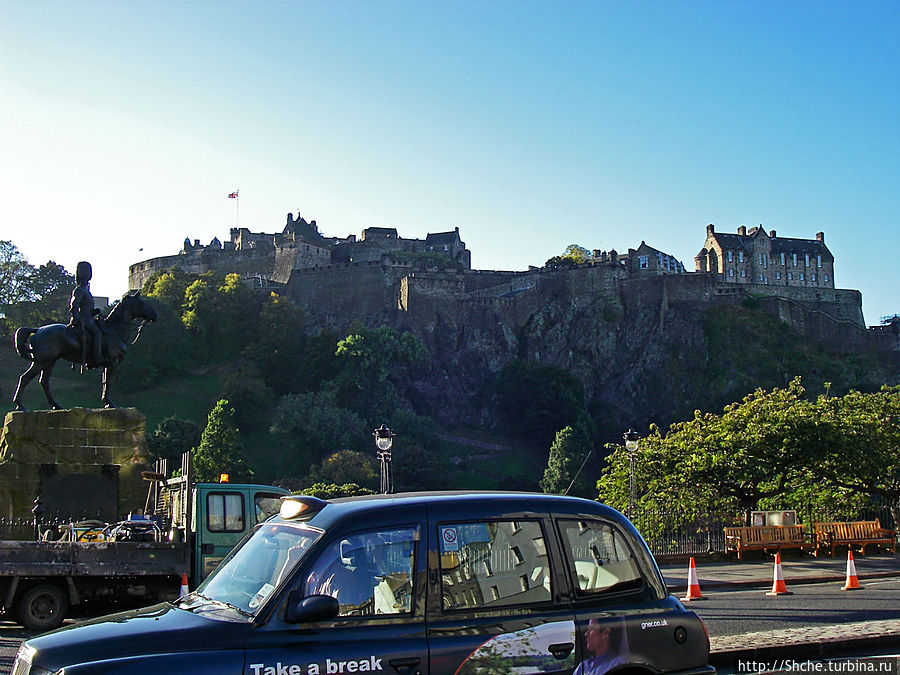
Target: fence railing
[(675, 533), (23, 529)]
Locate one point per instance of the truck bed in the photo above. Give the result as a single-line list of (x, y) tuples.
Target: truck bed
[(105, 559)]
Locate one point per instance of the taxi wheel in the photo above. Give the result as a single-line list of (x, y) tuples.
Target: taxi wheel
[(42, 607)]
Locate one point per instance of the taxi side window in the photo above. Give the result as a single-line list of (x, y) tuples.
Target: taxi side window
[(224, 512), (599, 557), (493, 564), (369, 573)]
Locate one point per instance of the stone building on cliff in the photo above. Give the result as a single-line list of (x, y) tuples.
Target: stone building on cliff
[(427, 284), (757, 257)]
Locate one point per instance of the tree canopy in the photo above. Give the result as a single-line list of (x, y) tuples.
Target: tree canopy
[(774, 449)]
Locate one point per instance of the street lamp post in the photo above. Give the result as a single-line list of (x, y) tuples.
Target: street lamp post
[(384, 439), (631, 448)]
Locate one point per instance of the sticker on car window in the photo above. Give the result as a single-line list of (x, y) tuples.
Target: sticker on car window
[(449, 539), (261, 595)]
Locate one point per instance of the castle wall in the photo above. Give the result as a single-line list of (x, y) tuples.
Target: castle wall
[(335, 295)]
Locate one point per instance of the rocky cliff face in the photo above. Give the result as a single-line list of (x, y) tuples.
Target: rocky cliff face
[(645, 350)]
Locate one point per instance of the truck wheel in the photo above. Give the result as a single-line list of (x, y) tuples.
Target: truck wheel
[(42, 607)]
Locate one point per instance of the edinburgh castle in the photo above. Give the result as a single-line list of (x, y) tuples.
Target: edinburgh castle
[(338, 279)]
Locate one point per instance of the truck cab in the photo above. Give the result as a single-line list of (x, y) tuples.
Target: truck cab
[(222, 513)]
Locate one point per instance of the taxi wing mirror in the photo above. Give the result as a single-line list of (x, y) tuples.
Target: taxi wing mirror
[(310, 608)]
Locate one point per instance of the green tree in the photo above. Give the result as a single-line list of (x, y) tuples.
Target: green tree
[(419, 457), (568, 458), (857, 445), (333, 491), (31, 296), (169, 287), (277, 343), (15, 275), (771, 450), (173, 437), (346, 466), (573, 255), (375, 365), (535, 400), (252, 399), (220, 449), (308, 427)]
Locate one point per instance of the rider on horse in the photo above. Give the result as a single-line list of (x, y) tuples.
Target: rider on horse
[(83, 313)]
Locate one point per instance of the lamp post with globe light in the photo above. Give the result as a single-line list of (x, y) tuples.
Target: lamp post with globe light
[(384, 439), (631, 449)]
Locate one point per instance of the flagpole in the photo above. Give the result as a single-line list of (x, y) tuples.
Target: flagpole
[(236, 196)]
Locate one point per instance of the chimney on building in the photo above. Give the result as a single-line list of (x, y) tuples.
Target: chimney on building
[(710, 229), (820, 236), (772, 234), (196, 243), (742, 230)]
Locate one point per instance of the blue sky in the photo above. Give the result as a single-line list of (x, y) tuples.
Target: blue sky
[(528, 125)]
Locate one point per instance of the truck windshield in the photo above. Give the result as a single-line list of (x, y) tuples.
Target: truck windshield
[(254, 569)]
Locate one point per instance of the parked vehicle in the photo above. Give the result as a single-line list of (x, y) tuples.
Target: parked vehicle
[(416, 584), (187, 530)]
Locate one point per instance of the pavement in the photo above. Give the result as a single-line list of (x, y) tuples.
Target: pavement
[(783, 647)]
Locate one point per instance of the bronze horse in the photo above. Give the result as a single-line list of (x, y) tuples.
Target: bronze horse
[(45, 345)]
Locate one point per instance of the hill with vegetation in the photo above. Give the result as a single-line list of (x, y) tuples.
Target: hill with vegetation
[(304, 403)]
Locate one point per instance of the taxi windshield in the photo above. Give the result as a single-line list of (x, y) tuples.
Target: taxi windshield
[(254, 569)]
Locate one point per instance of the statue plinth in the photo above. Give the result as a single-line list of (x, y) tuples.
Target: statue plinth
[(84, 463)]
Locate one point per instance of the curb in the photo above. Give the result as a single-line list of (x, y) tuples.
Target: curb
[(759, 583), (779, 648)]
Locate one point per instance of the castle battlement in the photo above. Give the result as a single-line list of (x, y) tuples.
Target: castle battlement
[(379, 274)]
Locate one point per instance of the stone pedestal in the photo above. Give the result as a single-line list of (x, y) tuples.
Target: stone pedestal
[(84, 463)]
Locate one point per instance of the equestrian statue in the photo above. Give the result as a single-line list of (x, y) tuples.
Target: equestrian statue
[(88, 339)]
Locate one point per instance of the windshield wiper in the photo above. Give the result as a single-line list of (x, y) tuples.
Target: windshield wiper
[(217, 602)]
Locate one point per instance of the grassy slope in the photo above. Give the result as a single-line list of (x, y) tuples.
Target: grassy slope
[(190, 396)]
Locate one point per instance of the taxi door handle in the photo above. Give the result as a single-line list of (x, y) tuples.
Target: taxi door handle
[(561, 650), (405, 666)]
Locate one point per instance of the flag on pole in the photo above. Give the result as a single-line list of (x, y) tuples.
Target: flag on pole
[(233, 195)]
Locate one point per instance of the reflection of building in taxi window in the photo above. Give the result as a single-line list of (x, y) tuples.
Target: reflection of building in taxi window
[(606, 646), (601, 558), (494, 563), (368, 573)]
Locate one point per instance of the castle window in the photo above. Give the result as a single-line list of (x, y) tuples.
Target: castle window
[(644, 262), (801, 277), (761, 279), (730, 256), (790, 276), (818, 260), (743, 273), (826, 278), (807, 259), (730, 272), (778, 276), (782, 257), (812, 277), (740, 256), (795, 259)]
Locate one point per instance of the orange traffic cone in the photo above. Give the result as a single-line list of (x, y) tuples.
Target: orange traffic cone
[(184, 586), (852, 580), (778, 585), (693, 592)]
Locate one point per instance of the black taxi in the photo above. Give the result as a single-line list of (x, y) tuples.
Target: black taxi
[(434, 583)]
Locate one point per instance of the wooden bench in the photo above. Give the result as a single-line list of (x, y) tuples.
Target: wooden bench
[(764, 538), (860, 533)]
